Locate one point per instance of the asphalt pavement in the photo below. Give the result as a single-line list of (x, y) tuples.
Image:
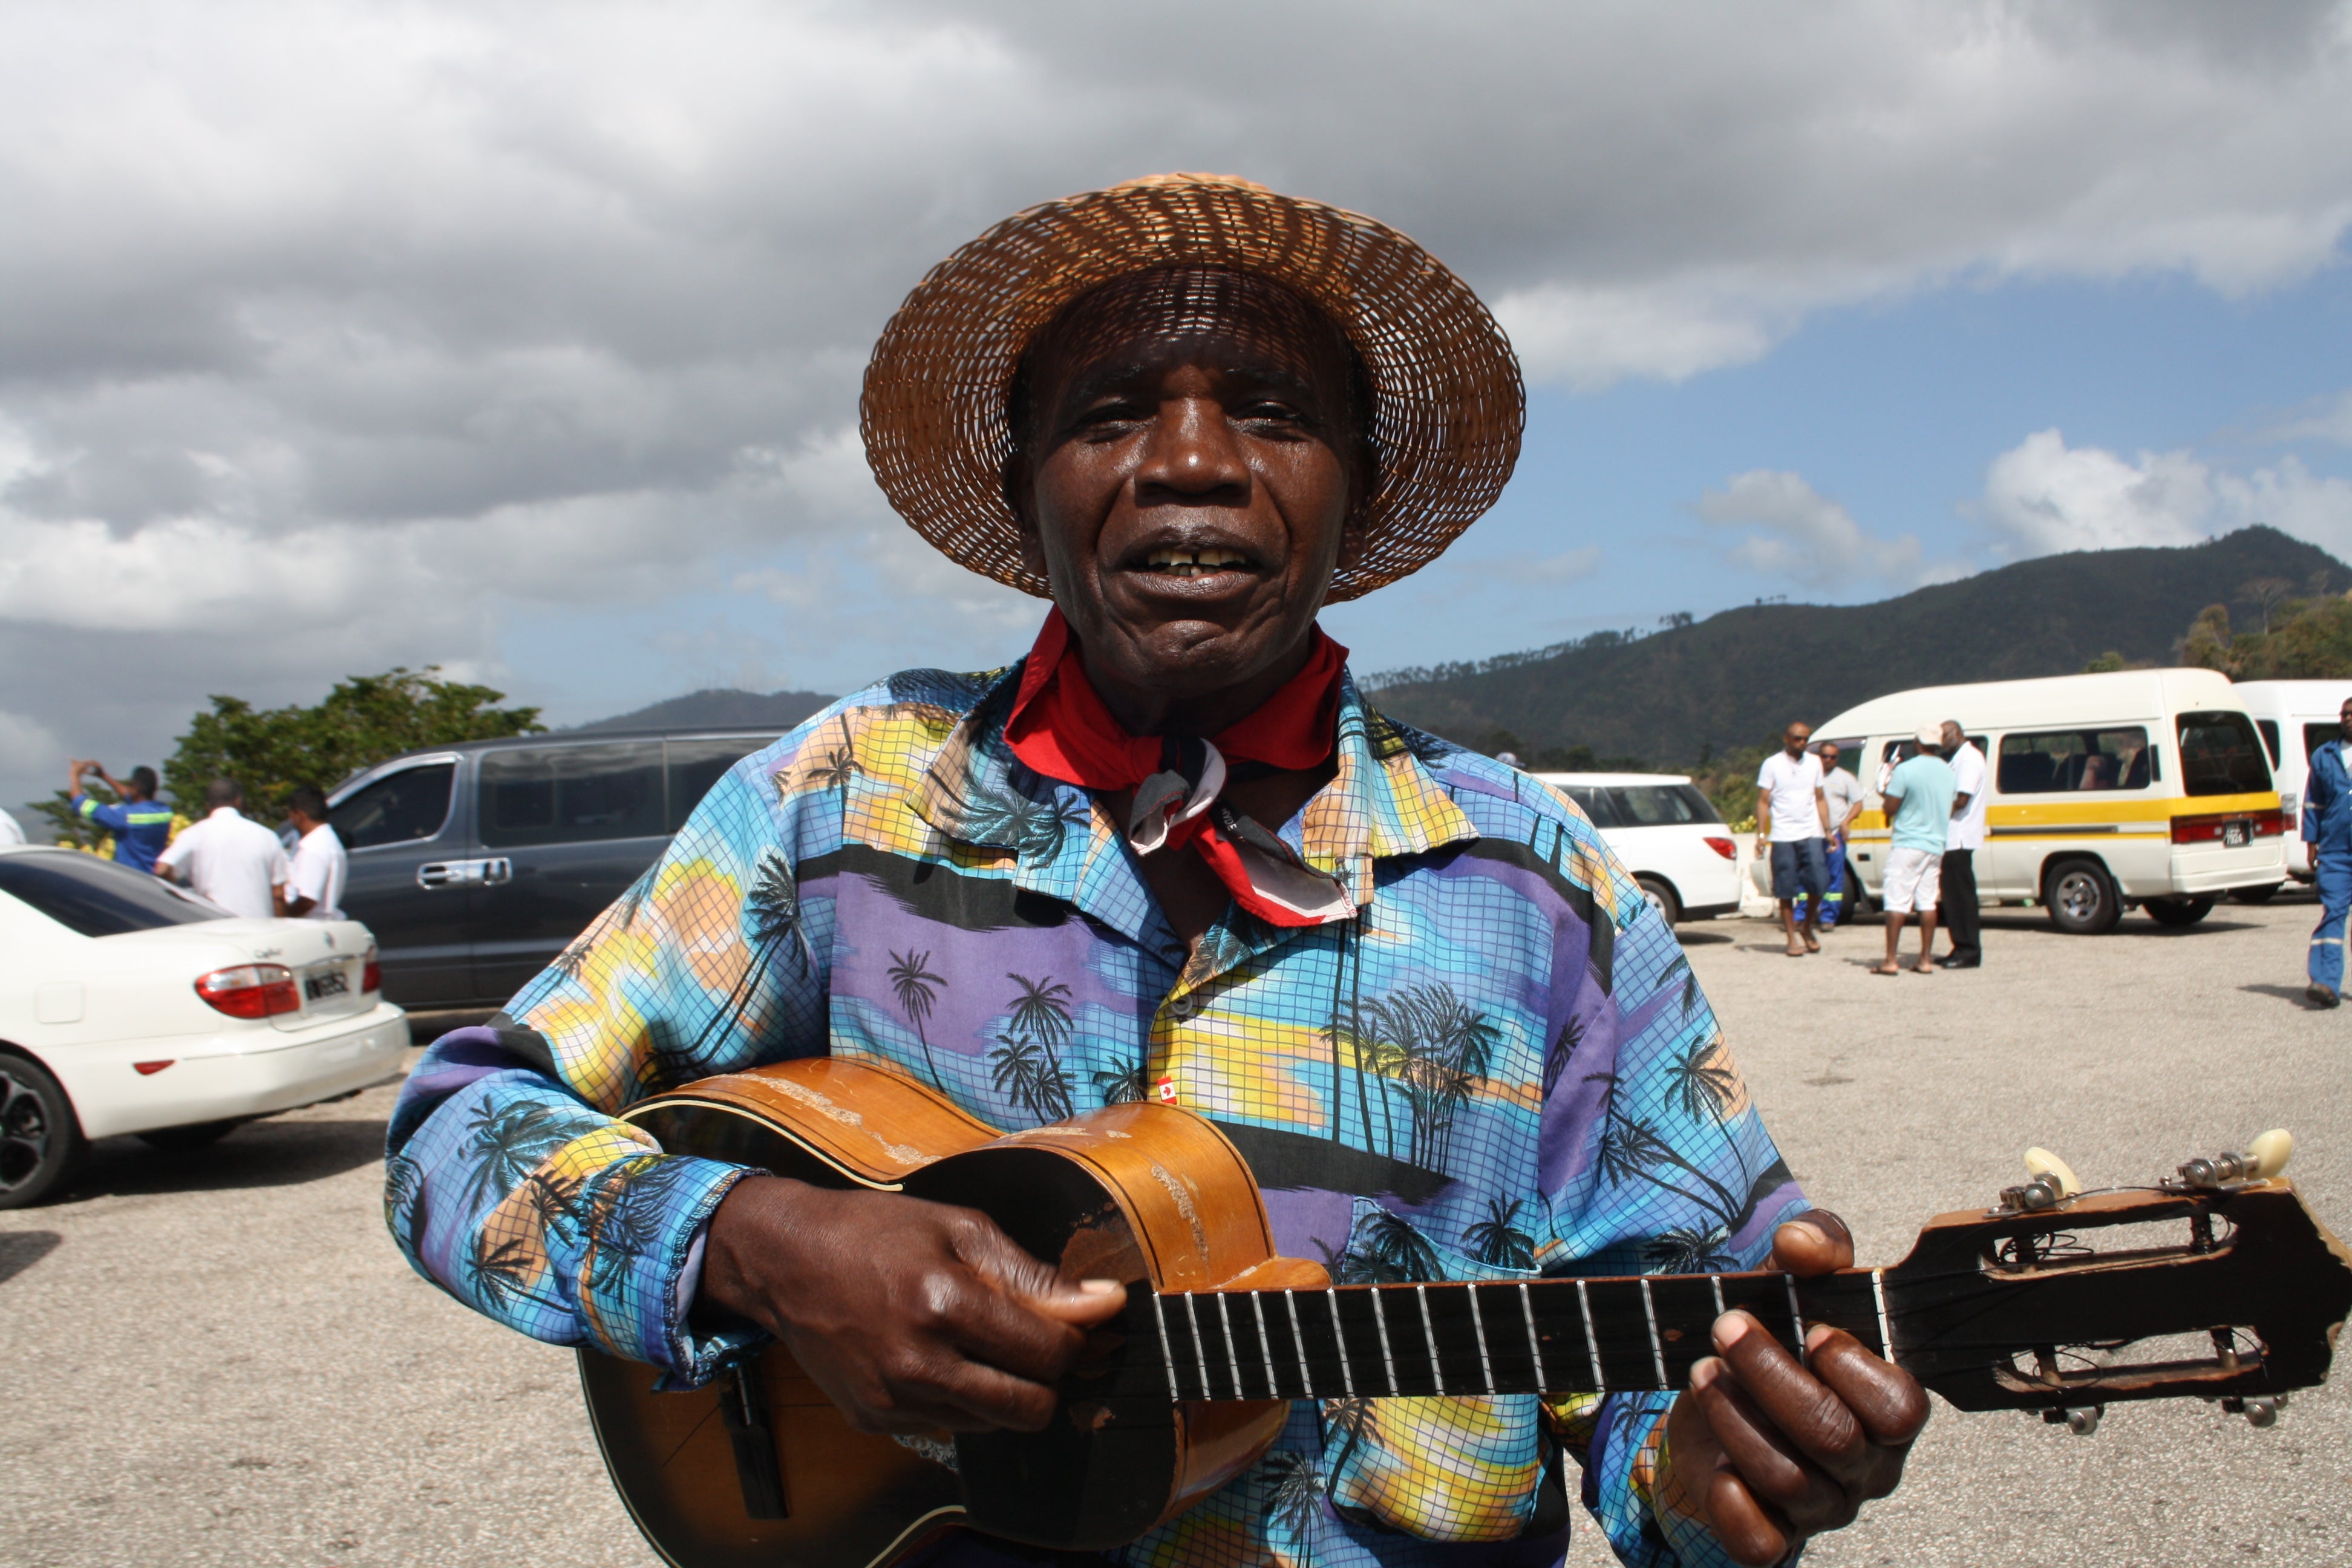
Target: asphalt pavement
[(219, 1358)]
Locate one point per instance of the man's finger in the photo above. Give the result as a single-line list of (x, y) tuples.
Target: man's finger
[(1888, 1401), (1767, 1462), (1815, 1242), (1804, 1408), (1745, 1526)]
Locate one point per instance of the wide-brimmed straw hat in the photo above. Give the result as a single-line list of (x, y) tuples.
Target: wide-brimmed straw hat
[(1447, 400)]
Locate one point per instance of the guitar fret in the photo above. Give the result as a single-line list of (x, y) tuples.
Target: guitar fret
[(1167, 1348), (1381, 1318), (1200, 1355), (1535, 1349), (1478, 1326), (1796, 1315), (1298, 1343), (1885, 1330), (1264, 1345), (1232, 1351), (1657, 1350), (1429, 1333), (1339, 1337), (1591, 1346)]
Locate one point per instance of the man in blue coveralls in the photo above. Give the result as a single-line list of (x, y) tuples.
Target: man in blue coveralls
[(141, 824), (2327, 829)]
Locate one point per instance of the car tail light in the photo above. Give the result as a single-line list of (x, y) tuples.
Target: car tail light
[(251, 991), (149, 1069), (371, 971), (1723, 846)]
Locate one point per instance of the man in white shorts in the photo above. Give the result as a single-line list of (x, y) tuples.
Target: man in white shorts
[(1918, 796)]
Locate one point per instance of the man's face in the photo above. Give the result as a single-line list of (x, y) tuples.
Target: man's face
[(1829, 758), (1190, 477), (1794, 738), (1952, 736), (2344, 720)]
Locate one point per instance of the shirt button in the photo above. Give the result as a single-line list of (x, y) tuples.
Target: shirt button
[(1186, 1006)]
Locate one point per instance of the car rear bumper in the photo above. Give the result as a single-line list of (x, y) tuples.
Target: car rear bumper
[(214, 1078)]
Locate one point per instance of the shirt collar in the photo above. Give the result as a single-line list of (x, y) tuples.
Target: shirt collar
[(220, 811), (1382, 801)]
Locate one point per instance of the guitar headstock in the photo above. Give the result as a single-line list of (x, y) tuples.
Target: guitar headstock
[(2218, 1282)]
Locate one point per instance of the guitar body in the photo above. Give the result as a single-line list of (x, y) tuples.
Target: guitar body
[(758, 1468)]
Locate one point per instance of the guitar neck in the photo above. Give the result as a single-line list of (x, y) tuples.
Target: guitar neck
[(1543, 1336)]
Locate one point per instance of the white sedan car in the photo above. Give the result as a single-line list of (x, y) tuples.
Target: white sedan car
[(128, 1006), (1667, 834)]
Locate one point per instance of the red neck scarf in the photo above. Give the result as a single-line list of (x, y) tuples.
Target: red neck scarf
[(1061, 728)]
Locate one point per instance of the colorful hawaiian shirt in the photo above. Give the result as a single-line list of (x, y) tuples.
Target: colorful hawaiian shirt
[(1498, 1066)]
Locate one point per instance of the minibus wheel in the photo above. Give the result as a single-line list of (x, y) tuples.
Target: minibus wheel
[(2081, 898), (2179, 912)]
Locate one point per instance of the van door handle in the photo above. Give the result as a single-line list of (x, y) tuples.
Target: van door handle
[(481, 873)]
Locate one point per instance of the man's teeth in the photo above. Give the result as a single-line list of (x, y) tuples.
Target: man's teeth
[(1194, 562)]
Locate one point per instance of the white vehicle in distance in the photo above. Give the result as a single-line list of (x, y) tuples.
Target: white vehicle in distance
[(129, 1006), (1668, 837), (2295, 718)]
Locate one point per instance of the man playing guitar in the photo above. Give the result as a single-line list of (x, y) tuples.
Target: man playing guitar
[(1173, 853)]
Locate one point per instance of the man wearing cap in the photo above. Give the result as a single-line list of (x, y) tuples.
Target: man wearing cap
[(1174, 852), (142, 825)]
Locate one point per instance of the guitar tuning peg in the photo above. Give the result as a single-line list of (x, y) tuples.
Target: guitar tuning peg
[(2049, 1181), (2265, 1157), (2082, 1420)]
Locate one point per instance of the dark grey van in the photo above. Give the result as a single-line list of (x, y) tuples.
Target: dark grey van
[(474, 865)]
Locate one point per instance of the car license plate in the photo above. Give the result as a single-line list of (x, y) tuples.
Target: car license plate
[(2233, 834), (331, 982)]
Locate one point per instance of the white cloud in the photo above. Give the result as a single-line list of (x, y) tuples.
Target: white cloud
[(2042, 496), (2329, 420), (27, 746), (1794, 532)]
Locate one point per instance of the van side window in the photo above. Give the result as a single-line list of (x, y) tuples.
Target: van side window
[(410, 805), (572, 794), (1660, 806), (2220, 754), (694, 765), (1595, 803), (2051, 762), (2269, 727), (2318, 735)]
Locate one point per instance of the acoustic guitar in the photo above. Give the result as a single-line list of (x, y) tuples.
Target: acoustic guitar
[(2011, 1306)]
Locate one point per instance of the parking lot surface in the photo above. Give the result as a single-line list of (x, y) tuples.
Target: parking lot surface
[(219, 1358)]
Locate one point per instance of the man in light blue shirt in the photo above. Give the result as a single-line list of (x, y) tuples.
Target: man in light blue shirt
[(1918, 803)]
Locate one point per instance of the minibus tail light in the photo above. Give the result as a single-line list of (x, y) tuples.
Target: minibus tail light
[(250, 991)]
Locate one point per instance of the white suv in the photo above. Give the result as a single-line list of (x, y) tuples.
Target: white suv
[(1668, 837)]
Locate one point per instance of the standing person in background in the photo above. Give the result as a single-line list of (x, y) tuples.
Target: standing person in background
[(141, 824), (231, 859), (1843, 794), (1920, 795), (314, 883), (1967, 836), (2327, 829), (1794, 819)]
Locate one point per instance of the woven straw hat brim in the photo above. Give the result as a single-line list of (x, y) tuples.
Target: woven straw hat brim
[(1449, 403)]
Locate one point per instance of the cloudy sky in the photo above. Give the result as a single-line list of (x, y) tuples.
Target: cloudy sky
[(525, 339)]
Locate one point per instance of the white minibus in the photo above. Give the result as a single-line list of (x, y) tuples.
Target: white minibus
[(2149, 788), (2294, 716)]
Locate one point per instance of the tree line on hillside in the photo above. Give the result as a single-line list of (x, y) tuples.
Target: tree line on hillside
[(364, 720)]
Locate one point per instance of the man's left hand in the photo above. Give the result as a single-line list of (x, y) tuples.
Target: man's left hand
[(1766, 1450)]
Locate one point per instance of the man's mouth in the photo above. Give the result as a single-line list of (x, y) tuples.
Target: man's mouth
[(1196, 563)]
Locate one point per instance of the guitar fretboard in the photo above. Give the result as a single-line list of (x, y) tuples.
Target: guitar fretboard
[(1549, 1336)]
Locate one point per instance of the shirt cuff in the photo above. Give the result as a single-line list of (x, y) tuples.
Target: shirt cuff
[(636, 1292)]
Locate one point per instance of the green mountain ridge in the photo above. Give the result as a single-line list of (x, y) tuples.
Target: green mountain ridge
[(1735, 679)]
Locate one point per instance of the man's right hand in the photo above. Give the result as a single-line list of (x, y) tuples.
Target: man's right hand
[(912, 1316)]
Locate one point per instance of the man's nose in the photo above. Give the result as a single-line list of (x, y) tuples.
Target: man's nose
[(1191, 456)]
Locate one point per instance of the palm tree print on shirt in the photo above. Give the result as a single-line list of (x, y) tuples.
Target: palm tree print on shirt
[(1027, 1064), (1125, 1082), (772, 912), (1385, 1250), (1435, 1050), (1497, 1239), (917, 988), (1294, 1500), (508, 1143), (1631, 1147)]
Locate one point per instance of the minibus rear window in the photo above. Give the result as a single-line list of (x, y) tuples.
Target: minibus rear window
[(2054, 762), (2221, 754)]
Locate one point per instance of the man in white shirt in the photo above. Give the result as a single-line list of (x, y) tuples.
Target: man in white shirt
[(1794, 817), (229, 859), (1965, 837), (314, 886)]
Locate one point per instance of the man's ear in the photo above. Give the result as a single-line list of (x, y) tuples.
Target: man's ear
[(1019, 497)]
